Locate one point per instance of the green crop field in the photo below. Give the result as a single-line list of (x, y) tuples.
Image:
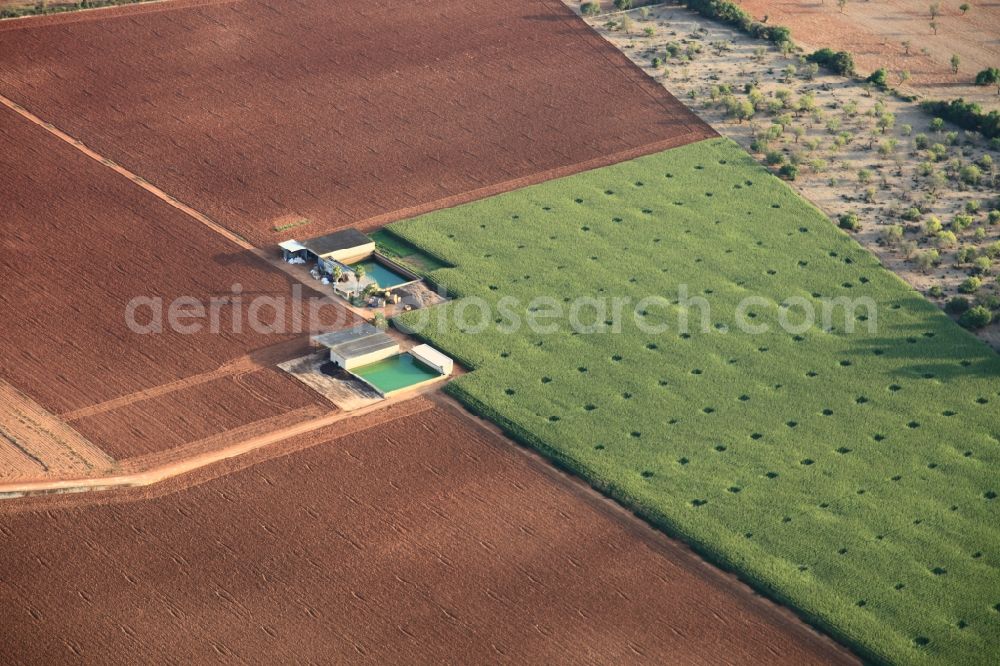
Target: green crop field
[(850, 475)]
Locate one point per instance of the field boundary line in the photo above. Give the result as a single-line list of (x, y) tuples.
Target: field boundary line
[(199, 461), (245, 364), (102, 13), (537, 178), (136, 179)]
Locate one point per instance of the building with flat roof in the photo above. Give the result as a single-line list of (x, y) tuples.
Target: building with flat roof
[(345, 246), (357, 346), (435, 359)]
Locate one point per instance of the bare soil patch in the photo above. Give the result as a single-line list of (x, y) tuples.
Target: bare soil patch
[(426, 538), (251, 112), (874, 32), (35, 444)]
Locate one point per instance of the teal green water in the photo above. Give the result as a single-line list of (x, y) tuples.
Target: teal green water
[(395, 372), (385, 276)]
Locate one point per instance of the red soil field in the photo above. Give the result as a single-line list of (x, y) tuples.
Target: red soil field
[(874, 31), (203, 410), (253, 111), (79, 241), (423, 539)]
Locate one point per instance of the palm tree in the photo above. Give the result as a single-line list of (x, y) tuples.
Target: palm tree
[(337, 273), (359, 275)]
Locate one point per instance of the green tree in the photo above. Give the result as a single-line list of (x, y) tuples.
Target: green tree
[(934, 26), (976, 318), (955, 62), (927, 259), (934, 9), (590, 8), (359, 275), (743, 110), (788, 171), (947, 239), (841, 4), (623, 5), (965, 7), (989, 77), (970, 174), (970, 285), (849, 222), (886, 122), (892, 234), (906, 46), (957, 305)]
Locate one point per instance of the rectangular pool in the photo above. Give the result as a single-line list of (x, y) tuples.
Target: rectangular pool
[(395, 373), (385, 276)]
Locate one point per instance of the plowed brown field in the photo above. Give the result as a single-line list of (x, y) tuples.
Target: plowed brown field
[(79, 241), (340, 113), (874, 32), (423, 539), (194, 413)]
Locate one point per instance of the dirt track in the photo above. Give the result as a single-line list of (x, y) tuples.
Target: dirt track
[(423, 539), (252, 111)]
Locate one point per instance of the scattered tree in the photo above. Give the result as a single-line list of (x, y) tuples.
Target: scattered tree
[(934, 10), (892, 234), (927, 259), (965, 7), (934, 26), (886, 122), (841, 4), (849, 222), (976, 318), (906, 47), (788, 171), (957, 305), (955, 62), (989, 77), (970, 174), (947, 239), (590, 8), (970, 285), (879, 78)]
